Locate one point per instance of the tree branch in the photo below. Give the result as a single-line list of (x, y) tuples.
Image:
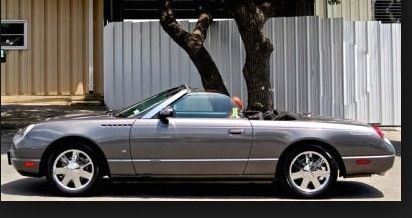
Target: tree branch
[(193, 43), (171, 26), (250, 18), (198, 35), (266, 10), (189, 41)]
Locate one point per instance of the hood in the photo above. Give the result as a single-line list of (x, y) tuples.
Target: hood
[(82, 116)]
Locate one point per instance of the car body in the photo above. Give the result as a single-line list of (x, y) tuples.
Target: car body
[(196, 138)]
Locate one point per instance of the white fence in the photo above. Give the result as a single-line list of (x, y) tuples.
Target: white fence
[(329, 67)]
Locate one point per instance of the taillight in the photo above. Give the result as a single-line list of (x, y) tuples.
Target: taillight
[(29, 164), (362, 161), (378, 130)]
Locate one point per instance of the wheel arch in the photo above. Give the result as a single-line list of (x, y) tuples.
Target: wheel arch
[(328, 147), (62, 141)]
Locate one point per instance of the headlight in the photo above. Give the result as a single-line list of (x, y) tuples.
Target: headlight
[(23, 132)]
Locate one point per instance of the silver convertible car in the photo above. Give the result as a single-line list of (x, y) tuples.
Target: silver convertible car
[(185, 133)]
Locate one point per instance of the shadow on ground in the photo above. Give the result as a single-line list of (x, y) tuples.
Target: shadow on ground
[(113, 190)]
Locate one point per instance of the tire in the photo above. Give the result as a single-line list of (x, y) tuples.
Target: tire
[(308, 171), (73, 176)]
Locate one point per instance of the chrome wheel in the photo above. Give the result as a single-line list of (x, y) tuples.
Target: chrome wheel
[(309, 172), (73, 170)]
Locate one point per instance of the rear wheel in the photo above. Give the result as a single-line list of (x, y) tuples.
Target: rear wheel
[(73, 170), (309, 171)]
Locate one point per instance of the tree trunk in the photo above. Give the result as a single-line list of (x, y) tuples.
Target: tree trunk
[(250, 19), (193, 44), (256, 72)]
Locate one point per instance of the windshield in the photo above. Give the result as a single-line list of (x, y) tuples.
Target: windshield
[(141, 107)]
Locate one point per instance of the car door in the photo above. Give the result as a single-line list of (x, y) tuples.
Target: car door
[(198, 140)]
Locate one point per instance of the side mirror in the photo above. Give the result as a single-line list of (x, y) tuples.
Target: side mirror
[(165, 113), (110, 112)]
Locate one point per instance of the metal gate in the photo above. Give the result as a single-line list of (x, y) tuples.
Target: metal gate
[(330, 67)]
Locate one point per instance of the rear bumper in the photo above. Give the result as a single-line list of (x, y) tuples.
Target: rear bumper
[(377, 164)]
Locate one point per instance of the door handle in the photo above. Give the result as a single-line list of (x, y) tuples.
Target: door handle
[(236, 131)]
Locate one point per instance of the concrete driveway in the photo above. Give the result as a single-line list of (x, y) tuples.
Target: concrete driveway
[(15, 187)]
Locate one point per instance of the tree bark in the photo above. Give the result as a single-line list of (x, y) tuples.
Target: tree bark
[(250, 17), (193, 44)]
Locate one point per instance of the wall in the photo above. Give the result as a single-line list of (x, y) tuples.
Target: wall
[(350, 10), (328, 67), (56, 61)]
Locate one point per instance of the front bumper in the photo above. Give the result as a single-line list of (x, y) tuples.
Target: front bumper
[(22, 166)]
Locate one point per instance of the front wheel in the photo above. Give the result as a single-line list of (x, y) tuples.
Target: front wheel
[(73, 171), (309, 171)]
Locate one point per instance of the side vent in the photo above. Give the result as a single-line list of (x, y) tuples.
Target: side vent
[(116, 125)]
